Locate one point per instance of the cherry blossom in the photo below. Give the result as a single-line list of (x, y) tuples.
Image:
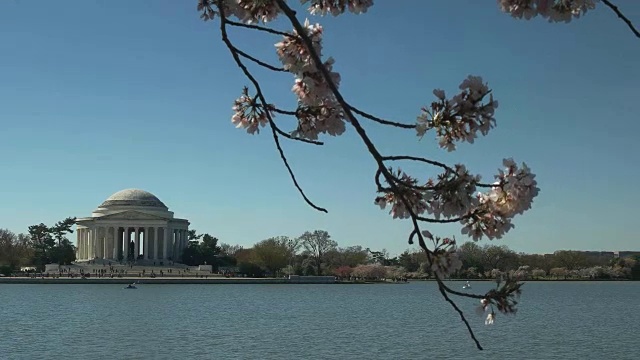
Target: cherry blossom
[(248, 114), (512, 194), (318, 111), (337, 7), (461, 117), (490, 318), (445, 262), (553, 10)]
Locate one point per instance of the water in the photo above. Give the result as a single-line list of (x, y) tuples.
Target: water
[(556, 320)]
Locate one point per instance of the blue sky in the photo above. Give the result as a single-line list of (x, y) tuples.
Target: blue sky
[(101, 96)]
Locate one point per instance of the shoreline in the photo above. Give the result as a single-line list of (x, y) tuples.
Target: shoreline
[(163, 280), (236, 281)]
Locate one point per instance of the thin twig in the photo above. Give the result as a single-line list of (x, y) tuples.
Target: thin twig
[(621, 16), (257, 61), (380, 120), (257, 27), (464, 320), (417, 158), (236, 56)]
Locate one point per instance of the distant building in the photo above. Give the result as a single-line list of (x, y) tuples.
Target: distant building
[(132, 224), (624, 254)]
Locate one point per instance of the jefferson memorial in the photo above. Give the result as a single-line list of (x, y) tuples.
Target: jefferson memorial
[(130, 225)]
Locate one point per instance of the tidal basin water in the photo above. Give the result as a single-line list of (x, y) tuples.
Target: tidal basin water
[(556, 320)]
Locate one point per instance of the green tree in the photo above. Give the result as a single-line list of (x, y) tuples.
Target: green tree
[(472, 256), (272, 254), (62, 228), (42, 243)]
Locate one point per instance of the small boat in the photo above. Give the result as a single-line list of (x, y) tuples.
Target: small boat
[(131, 286), (467, 285)]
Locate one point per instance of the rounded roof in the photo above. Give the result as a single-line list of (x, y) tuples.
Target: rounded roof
[(133, 197)]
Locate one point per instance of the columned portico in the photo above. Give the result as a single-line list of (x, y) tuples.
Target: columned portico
[(132, 225)]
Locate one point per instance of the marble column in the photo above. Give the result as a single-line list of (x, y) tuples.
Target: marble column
[(105, 243), (85, 235), (82, 246), (98, 243), (114, 244), (165, 242), (145, 242), (136, 244), (125, 249), (155, 243)]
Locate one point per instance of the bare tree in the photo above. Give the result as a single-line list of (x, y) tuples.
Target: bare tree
[(317, 244)]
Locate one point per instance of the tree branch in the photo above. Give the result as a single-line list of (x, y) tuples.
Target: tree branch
[(621, 16), (380, 120), (257, 61), (236, 57), (420, 159), (290, 14), (256, 27)]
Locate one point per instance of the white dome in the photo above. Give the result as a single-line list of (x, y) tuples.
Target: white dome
[(133, 197)]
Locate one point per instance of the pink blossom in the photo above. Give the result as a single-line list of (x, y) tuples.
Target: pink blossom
[(553, 10), (461, 117), (337, 7)]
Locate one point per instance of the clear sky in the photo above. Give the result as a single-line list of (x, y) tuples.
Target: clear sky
[(99, 96)]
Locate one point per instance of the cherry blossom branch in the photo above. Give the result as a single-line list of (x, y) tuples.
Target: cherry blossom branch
[(419, 159), (615, 9), (236, 57), (290, 14), (462, 317), (257, 61), (455, 119), (256, 27), (380, 120)]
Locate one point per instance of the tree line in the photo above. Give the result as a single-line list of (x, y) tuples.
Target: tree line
[(316, 253), (42, 244)]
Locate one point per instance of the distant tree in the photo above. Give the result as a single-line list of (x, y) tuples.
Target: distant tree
[(570, 260), (498, 257), (343, 271), (272, 254), (14, 249), (229, 250), (317, 244), (193, 235), (50, 244), (42, 243), (634, 271), (471, 255), (411, 260), (62, 228)]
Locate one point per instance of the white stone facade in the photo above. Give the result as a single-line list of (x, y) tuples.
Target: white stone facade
[(138, 216)]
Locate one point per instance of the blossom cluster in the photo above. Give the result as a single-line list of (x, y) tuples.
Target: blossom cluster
[(248, 114), (461, 117), (247, 11), (511, 195), (337, 7), (445, 260), (453, 195), (318, 110), (553, 10), (484, 307)]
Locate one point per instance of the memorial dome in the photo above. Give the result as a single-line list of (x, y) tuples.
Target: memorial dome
[(133, 197)]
